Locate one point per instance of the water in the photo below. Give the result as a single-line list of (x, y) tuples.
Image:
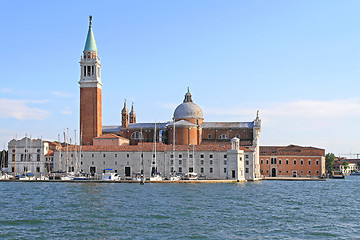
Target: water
[(254, 210)]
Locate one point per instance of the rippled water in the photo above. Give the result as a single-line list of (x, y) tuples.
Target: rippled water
[(254, 210)]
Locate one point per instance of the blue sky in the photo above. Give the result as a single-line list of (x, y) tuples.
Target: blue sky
[(296, 61)]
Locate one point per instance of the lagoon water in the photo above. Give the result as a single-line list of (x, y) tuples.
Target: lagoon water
[(254, 210)]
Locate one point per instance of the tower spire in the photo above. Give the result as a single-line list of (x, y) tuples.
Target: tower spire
[(90, 45)]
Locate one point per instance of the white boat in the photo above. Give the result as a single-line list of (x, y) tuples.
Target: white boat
[(191, 176), (137, 176), (156, 177), (110, 175), (175, 178), (27, 177)]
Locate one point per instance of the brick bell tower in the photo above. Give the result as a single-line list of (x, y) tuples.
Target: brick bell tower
[(90, 91)]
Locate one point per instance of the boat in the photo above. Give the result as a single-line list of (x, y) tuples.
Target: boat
[(191, 176), (110, 175), (355, 174), (28, 176), (337, 175)]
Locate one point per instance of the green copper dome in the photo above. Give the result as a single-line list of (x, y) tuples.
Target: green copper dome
[(90, 44)]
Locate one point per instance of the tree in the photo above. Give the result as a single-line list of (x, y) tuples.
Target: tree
[(329, 161)]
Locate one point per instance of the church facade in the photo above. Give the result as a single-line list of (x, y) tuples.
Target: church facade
[(187, 143)]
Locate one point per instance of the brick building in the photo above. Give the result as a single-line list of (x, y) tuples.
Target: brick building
[(291, 161)]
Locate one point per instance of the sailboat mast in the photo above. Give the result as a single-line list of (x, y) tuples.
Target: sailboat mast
[(75, 153), (59, 151), (155, 147), (66, 169), (15, 158)]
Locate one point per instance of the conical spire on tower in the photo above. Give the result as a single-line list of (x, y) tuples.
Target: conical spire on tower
[(132, 114), (90, 45)]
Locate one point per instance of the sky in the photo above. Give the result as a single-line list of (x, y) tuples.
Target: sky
[(297, 62)]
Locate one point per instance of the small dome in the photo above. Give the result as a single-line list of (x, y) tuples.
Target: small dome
[(188, 109)]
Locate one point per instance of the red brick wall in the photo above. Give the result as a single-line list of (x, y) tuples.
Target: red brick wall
[(90, 114), (284, 169)]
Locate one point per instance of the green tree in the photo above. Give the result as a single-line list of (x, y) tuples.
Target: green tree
[(329, 161)]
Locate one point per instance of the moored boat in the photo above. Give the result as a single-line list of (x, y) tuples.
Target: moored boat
[(337, 175), (355, 174), (110, 175)]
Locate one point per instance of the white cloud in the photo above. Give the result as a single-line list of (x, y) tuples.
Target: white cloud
[(332, 124), (66, 111), (166, 105), (61, 94), (5, 90), (18, 109)]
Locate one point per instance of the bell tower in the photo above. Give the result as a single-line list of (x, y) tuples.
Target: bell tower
[(90, 90)]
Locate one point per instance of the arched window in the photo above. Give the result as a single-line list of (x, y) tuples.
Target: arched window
[(137, 135), (223, 136)]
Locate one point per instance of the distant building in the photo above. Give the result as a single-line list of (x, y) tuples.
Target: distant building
[(352, 167), (291, 161), (30, 155)]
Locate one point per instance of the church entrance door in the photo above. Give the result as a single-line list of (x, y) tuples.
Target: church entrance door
[(273, 172)]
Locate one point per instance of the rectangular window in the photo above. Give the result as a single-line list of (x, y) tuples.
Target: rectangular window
[(92, 155), (180, 162), (224, 162), (224, 170), (104, 155), (92, 163), (115, 155), (211, 170), (115, 163), (309, 171), (209, 136), (171, 155), (38, 157), (294, 162), (211, 162), (210, 156), (82, 155), (225, 156), (172, 162), (103, 162), (201, 170), (180, 155), (317, 162), (246, 156), (202, 162), (287, 161), (201, 155), (38, 169), (309, 161), (180, 169), (301, 162), (267, 161), (279, 161), (262, 161), (247, 162), (190, 156), (246, 170), (127, 155), (81, 163)]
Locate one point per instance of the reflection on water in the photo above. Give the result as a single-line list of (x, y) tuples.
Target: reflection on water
[(255, 210)]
